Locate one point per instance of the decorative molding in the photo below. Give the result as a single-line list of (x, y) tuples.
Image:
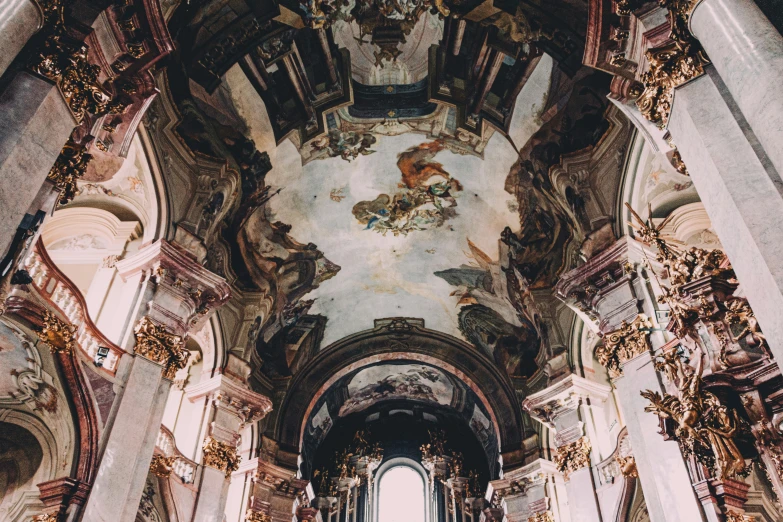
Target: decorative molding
[(156, 343), (245, 403), (68, 168), (629, 341), (161, 466), (562, 397), (220, 456), (573, 457), (546, 516), (257, 516), (58, 335)]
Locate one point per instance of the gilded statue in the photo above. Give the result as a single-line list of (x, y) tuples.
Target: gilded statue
[(705, 427)]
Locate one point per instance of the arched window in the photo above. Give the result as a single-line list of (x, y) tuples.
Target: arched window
[(402, 492)]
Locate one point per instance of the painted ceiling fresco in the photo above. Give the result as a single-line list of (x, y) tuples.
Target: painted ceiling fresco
[(414, 382), (391, 220)]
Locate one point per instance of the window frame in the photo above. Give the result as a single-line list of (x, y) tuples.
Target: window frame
[(397, 462)]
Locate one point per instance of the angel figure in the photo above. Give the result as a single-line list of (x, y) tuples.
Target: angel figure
[(739, 312), (701, 418)]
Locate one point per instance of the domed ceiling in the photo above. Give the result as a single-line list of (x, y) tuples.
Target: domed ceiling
[(427, 159), (395, 220)]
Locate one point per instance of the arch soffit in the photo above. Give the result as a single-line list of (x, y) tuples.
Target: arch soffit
[(417, 344)]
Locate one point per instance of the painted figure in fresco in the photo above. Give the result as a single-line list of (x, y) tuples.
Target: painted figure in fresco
[(513, 348), (427, 201), (346, 145), (415, 383)]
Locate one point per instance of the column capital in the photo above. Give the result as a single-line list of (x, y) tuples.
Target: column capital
[(573, 456), (185, 292), (627, 342), (156, 343), (221, 456), (563, 397)]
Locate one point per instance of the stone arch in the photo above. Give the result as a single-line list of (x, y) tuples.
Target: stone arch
[(404, 340)]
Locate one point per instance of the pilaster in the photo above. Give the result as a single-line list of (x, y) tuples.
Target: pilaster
[(573, 408), (175, 295)]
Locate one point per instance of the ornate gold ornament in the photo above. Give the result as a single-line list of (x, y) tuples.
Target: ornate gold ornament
[(46, 517), (671, 65), (736, 516), (154, 342), (739, 312), (257, 516), (221, 456), (572, 457), (58, 335), (545, 516), (161, 466), (623, 344), (65, 63), (69, 167), (627, 466), (705, 427)]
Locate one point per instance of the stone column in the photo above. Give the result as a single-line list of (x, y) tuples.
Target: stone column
[(231, 406), (613, 293), (19, 20), (176, 294), (567, 408), (740, 191), (37, 123), (747, 51), (535, 492)]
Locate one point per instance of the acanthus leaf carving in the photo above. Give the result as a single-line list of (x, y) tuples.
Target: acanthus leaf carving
[(156, 343)]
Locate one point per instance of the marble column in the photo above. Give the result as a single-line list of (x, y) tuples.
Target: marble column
[(19, 20), (175, 295), (573, 408), (747, 52), (230, 406), (612, 288), (36, 124), (741, 193)]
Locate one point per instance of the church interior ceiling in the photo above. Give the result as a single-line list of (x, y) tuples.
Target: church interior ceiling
[(344, 161), (386, 189)]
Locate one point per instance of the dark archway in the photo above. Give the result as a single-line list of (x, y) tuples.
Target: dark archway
[(403, 340)]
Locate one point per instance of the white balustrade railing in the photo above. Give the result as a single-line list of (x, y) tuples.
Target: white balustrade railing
[(182, 467), (63, 294)]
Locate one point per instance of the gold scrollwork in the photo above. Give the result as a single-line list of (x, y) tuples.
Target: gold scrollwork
[(545, 516), (257, 516), (161, 466), (627, 466), (66, 63), (623, 344), (736, 516), (46, 517), (670, 66), (154, 342), (58, 335), (572, 457), (220, 456), (69, 167)]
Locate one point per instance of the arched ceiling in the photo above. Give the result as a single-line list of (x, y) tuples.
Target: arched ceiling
[(440, 159)]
